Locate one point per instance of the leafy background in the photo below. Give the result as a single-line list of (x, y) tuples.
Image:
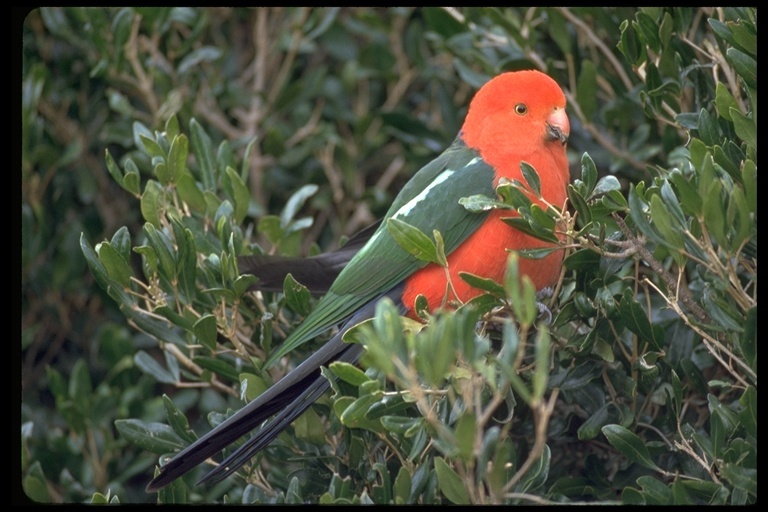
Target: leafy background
[(159, 143)]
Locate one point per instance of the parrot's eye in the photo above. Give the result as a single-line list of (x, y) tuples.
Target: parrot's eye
[(521, 109)]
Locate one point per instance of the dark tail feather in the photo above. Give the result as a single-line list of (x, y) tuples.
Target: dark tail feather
[(279, 423), (283, 395), (317, 273), (287, 398)]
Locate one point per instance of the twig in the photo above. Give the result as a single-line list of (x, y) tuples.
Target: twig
[(542, 412), (607, 52), (189, 364)]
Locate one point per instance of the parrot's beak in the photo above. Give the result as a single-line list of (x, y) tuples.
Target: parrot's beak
[(558, 126)]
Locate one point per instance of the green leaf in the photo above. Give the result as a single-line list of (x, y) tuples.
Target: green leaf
[(450, 483), (586, 89), (195, 57), (629, 45), (745, 36), (588, 173), (205, 331), (706, 492), (141, 132), (132, 181), (722, 311), (36, 488), (80, 387), (729, 419), (121, 27), (159, 242), (481, 283), (442, 259), (155, 437), (745, 66), (583, 259), (295, 203), (354, 415), (690, 200), (349, 373), (218, 366), (177, 421), (186, 260), (177, 158), (744, 126), (524, 226), (541, 220), (742, 478), (465, 436), (202, 147), (724, 101), (531, 177), (502, 461), (648, 27), (538, 473), (749, 174), (149, 259), (161, 173), (654, 491), (668, 229), (402, 486), (114, 171), (152, 203), (400, 424), (151, 147), (412, 240), (541, 373), (636, 320), (716, 435), (251, 386), (150, 325), (583, 212), (479, 203), (246, 160), (243, 283), (297, 296), (629, 445), (748, 414), (722, 30), (269, 226), (442, 22), (593, 425), (175, 492), (150, 366), (121, 242), (98, 269), (469, 75), (171, 127), (513, 193), (632, 496), (308, 427), (739, 218), (748, 340), (666, 28), (240, 194)]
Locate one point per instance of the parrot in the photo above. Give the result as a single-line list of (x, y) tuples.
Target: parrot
[(516, 117)]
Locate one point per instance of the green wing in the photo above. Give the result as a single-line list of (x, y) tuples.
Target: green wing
[(430, 200)]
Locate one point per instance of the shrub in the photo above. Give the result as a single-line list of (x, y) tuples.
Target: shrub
[(282, 130)]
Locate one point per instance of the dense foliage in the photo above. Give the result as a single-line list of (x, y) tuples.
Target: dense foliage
[(160, 143)]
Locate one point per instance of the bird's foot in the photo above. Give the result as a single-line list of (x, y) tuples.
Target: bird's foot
[(544, 311)]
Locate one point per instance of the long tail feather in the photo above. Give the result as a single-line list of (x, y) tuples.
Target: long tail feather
[(287, 398)]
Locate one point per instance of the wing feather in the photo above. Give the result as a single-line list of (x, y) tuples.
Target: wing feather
[(429, 201)]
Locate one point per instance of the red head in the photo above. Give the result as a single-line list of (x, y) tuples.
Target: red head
[(518, 116)]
